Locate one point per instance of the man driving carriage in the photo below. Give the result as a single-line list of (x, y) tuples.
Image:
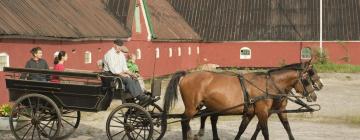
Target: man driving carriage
[(115, 64)]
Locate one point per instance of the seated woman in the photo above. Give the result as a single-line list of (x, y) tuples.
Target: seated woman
[(59, 65), (36, 62)]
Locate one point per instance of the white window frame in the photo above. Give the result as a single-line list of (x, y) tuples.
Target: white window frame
[(138, 54), (157, 52), (245, 56), (7, 60), (170, 52), (305, 58), (179, 51), (198, 50), (90, 59), (189, 50)]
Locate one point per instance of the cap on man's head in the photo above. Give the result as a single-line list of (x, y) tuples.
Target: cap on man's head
[(124, 49), (119, 42)]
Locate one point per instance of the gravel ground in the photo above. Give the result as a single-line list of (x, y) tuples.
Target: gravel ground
[(338, 119)]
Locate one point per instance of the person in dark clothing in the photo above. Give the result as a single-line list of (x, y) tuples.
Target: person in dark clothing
[(36, 62)]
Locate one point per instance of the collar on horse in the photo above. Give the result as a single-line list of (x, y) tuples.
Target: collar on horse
[(248, 101)]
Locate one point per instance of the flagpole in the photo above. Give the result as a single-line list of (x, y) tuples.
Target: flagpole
[(321, 28)]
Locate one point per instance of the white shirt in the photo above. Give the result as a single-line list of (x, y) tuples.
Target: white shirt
[(115, 62)]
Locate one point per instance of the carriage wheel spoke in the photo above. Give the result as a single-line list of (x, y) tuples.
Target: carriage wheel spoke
[(51, 128), (116, 126), (42, 130), (157, 131), (117, 133), (33, 132), (138, 134), (31, 107), (118, 120), (23, 121), (46, 125), (22, 127), (37, 105), (123, 137), (25, 115), (37, 129), (26, 132), (68, 123)]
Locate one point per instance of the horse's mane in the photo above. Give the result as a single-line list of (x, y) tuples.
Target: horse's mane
[(296, 66)]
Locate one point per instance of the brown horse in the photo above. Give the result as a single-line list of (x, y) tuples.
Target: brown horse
[(222, 92), (279, 104)]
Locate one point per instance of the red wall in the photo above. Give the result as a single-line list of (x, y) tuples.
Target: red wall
[(165, 64), (19, 51), (338, 51)]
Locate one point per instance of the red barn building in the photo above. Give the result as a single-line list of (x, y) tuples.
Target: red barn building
[(170, 35)]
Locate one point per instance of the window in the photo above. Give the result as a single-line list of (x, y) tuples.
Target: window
[(87, 57), (189, 50), (245, 53), (170, 52), (157, 50), (138, 54), (305, 53), (137, 20), (197, 50), (4, 61), (179, 51)]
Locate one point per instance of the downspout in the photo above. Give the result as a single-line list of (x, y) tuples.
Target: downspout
[(147, 18)]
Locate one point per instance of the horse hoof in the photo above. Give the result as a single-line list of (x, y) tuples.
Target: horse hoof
[(201, 133), (196, 137), (190, 136)]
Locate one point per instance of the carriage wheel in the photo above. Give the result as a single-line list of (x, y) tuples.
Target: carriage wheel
[(159, 120), (37, 117), (70, 121), (129, 121)]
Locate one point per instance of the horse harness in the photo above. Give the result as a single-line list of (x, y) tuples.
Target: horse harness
[(248, 101)]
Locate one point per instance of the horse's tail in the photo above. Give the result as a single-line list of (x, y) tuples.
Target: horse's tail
[(171, 91)]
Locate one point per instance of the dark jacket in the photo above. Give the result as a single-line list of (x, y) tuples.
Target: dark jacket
[(32, 64)]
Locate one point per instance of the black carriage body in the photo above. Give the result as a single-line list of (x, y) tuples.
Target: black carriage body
[(90, 92)]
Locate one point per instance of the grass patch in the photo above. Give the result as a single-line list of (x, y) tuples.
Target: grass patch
[(333, 68)]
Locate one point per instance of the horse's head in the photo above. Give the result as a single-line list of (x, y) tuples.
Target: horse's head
[(315, 78), (304, 86), (308, 82)]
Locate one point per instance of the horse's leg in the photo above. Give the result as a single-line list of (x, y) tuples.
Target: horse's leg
[(185, 126), (257, 130), (202, 126), (244, 123), (284, 120), (214, 119), (263, 122)]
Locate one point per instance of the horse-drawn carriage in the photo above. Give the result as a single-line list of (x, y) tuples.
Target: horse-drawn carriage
[(46, 110)]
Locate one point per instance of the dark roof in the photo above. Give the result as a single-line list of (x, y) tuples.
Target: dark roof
[(341, 19), (60, 19), (168, 24), (236, 20)]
